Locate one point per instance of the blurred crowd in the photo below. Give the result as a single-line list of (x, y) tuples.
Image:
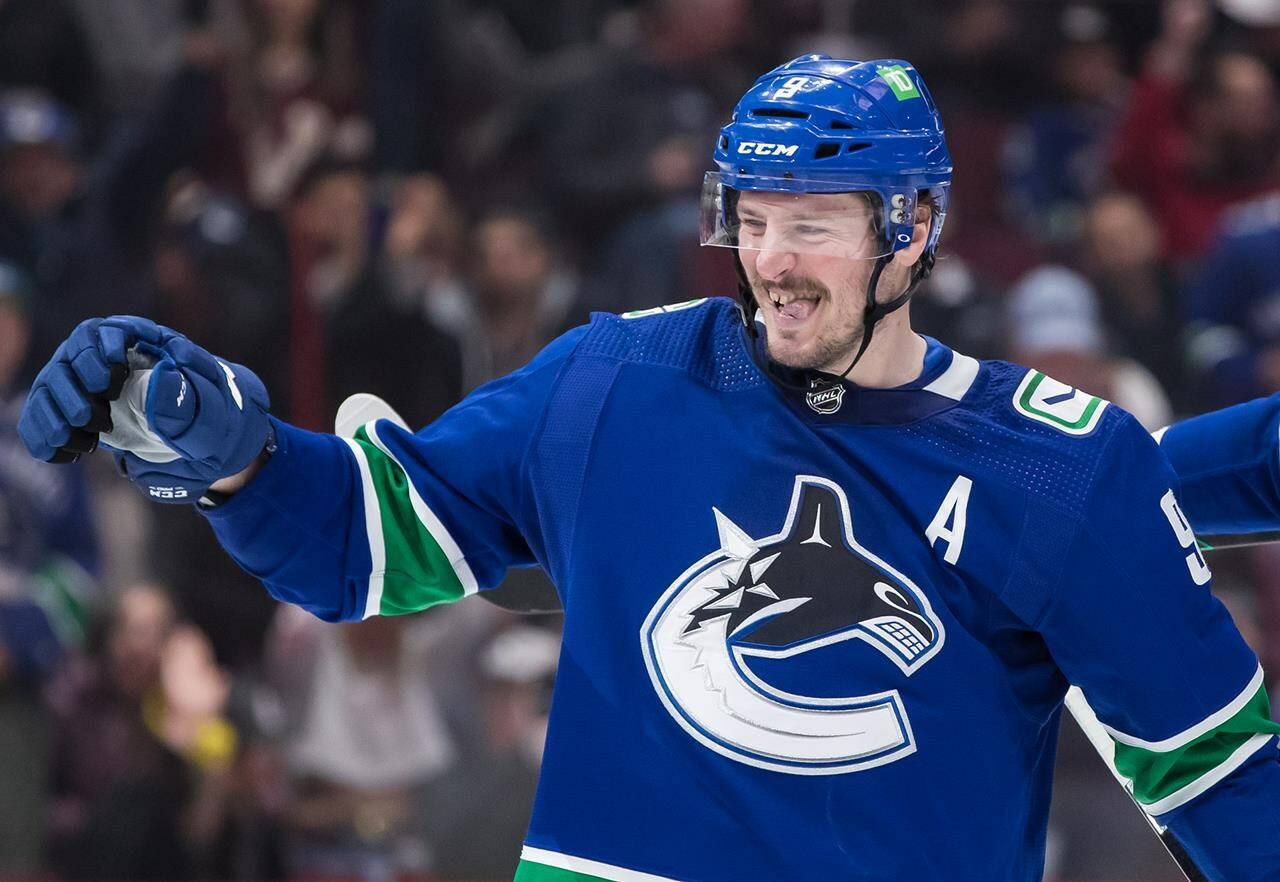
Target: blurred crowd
[(412, 197)]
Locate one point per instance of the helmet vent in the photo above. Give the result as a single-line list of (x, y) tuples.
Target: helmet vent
[(826, 149), (855, 147), (724, 143), (841, 124), (778, 111)]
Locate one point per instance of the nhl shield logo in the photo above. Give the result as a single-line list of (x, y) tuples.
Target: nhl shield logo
[(737, 613), (825, 398)]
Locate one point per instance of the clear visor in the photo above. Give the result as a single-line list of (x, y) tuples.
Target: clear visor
[(846, 224)]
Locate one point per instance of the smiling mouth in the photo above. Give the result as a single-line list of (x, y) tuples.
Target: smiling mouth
[(793, 305)]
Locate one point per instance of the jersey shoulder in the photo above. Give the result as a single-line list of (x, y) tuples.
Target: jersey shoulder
[(1032, 403), (1033, 433), (703, 338)]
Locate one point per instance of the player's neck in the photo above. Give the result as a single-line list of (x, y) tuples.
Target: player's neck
[(895, 356)]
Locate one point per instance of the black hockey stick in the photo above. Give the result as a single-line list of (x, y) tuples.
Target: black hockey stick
[(1237, 540), (1102, 743)]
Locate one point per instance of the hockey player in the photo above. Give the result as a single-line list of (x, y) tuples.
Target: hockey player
[(825, 581)]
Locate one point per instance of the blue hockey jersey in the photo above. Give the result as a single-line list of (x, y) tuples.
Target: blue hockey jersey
[(809, 634)]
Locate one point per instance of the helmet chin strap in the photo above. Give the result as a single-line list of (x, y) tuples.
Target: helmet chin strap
[(873, 312)]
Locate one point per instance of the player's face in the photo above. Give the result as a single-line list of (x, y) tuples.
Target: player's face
[(811, 302)]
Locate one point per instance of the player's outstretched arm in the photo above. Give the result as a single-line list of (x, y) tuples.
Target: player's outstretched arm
[(1228, 465), (385, 522), (1126, 612)]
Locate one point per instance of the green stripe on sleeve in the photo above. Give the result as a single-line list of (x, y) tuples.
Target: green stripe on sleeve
[(1165, 779), (528, 871), (543, 865), (415, 571)]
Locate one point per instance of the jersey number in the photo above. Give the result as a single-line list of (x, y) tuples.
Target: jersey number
[(1186, 538)]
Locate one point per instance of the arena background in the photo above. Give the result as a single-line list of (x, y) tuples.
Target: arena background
[(411, 197)]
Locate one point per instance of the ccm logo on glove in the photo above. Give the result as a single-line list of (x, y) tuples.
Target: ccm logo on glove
[(169, 492)]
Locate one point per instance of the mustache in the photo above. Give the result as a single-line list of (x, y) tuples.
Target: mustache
[(800, 286)]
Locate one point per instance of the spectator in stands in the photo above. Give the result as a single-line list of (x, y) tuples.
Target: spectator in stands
[(519, 293), (1139, 294), (137, 46), (1233, 302), (482, 808), (421, 247), (48, 564), (40, 172), (986, 69), (83, 228), (363, 736), (143, 750), (296, 95), (984, 60), (43, 47), (654, 258), (634, 130), (349, 332), (1054, 325), (219, 271), (1200, 133), (1054, 154), (44, 521)]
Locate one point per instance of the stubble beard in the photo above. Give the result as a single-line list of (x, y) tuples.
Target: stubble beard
[(831, 349)]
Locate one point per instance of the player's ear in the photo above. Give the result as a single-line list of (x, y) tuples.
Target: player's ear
[(919, 237)]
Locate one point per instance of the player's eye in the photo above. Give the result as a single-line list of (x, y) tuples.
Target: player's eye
[(811, 230), (755, 225)]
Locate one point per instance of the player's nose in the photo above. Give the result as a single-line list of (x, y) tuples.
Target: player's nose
[(773, 265)]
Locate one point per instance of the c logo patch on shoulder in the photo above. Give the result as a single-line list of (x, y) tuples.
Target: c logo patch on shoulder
[(1045, 400)]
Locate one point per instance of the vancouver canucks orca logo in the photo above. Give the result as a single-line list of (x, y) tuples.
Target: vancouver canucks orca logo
[(811, 585)]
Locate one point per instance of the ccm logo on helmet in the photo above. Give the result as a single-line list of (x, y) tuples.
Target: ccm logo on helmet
[(758, 148)]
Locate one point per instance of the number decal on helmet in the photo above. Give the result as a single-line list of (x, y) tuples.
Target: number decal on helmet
[(791, 87)]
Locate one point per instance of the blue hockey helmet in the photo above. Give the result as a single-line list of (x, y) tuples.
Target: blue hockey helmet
[(823, 125)]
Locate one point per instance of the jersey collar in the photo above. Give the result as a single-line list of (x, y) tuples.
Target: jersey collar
[(945, 379)]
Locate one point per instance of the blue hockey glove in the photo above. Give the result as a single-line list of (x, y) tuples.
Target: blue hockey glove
[(176, 417)]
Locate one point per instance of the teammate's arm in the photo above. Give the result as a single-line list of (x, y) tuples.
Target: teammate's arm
[(1121, 598), (1228, 465)]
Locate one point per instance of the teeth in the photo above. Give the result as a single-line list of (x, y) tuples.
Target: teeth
[(781, 300)]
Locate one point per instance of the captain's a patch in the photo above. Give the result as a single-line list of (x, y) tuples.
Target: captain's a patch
[(1045, 400)]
